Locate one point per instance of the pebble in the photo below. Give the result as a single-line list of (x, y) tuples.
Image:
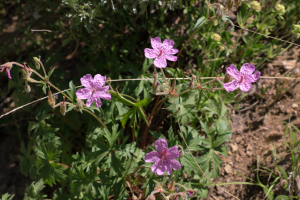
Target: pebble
[(234, 147), (238, 139), (228, 169), (242, 153), (294, 105), (249, 153)]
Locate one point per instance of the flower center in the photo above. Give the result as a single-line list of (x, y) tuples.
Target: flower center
[(241, 78), (163, 157), (161, 51), (94, 90)]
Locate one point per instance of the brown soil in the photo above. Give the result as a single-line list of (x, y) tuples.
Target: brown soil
[(258, 129)]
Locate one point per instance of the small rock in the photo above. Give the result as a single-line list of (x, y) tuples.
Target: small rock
[(249, 153), (242, 153), (234, 147), (228, 169), (238, 139), (220, 198), (294, 105)]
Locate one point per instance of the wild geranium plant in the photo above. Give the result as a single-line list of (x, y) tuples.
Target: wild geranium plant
[(101, 154)]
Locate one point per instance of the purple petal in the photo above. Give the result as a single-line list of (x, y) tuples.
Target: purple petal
[(87, 81), (90, 101), (161, 145), (150, 53), (103, 89), (168, 44), (99, 81), (156, 43), (83, 93), (153, 156), (168, 167), (160, 62), (253, 77), (231, 86), (247, 69), (104, 95), (170, 57), (171, 51), (245, 87), (175, 164), (8, 73), (159, 167), (173, 153), (97, 101), (233, 71)]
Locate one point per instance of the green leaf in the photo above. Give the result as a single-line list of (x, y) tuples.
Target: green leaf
[(7, 196), (36, 14), (51, 71), (27, 161), (139, 88), (147, 63), (47, 162), (200, 22), (280, 197), (33, 192), (72, 92), (84, 181), (126, 116), (67, 40)]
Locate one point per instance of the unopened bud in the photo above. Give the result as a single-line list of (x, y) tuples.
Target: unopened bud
[(151, 197), (238, 97), (155, 75), (191, 84), (63, 107), (227, 78), (79, 105), (181, 154), (27, 88), (51, 99), (229, 4), (237, 2), (36, 63)]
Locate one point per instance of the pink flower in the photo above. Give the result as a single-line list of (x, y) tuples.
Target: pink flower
[(7, 67), (243, 79), (93, 90), (164, 158), (161, 52)]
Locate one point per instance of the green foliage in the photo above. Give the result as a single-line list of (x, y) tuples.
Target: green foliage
[(7, 196), (33, 192), (93, 160)]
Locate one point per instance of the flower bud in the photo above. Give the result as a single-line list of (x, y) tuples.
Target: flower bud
[(229, 4), (181, 153), (51, 99), (227, 78), (36, 63), (191, 84), (238, 97), (27, 88), (79, 105), (151, 197), (237, 2), (256, 6), (216, 37), (63, 107), (215, 22), (155, 75)]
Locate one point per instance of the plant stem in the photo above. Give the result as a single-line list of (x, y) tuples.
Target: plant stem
[(162, 71), (150, 119), (61, 92), (95, 117), (43, 68)]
